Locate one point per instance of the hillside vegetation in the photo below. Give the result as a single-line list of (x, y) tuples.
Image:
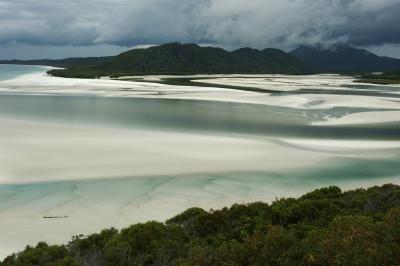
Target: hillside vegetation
[(391, 77), (324, 227), (344, 59), (176, 58), (186, 59)]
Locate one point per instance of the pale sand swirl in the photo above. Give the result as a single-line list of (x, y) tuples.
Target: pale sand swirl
[(111, 153)]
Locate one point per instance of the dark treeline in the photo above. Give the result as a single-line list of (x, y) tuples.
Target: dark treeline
[(187, 59), (180, 59), (324, 227), (389, 77)]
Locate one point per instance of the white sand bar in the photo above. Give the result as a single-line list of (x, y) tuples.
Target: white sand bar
[(100, 175), (40, 83), (364, 118), (164, 174), (37, 152)]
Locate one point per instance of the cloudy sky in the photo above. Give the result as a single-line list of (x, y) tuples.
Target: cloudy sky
[(55, 29)]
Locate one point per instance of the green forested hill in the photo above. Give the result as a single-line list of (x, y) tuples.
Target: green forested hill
[(176, 58), (324, 227), (273, 60), (344, 58), (185, 59)]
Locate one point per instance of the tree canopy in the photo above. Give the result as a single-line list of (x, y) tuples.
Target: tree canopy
[(324, 227)]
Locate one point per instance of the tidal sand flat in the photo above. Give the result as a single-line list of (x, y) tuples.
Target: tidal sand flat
[(100, 177), (102, 153)]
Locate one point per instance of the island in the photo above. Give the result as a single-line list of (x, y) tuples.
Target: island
[(177, 59)]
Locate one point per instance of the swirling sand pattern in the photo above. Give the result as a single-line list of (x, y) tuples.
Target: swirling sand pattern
[(111, 153)]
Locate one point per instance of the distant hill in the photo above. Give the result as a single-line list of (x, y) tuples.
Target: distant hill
[(182, 59), (345, 58), (176, 58)]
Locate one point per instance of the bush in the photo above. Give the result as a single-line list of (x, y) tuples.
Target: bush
[(324, 227)]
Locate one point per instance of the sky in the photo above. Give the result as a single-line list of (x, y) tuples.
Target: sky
[(55, 29)]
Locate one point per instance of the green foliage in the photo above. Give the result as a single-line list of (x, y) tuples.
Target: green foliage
[(323, 227), (392, 77), (179, 59), (42, 254), (152, 243)]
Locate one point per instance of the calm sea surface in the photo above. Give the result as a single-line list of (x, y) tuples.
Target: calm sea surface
[(12, 71)]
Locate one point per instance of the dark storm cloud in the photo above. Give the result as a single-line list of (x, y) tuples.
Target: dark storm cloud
[(230, 23), (374, 26)]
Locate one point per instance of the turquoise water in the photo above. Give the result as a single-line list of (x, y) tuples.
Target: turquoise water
[(191, 115), (13, 71), (214, 187), (46, 133), (220, 118)]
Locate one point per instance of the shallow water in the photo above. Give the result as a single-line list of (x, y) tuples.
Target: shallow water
[(113, 161), (191, 115), (13, 71)]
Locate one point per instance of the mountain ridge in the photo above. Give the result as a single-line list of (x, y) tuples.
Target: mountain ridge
[(177, 58), (185, 59), (344, 58)]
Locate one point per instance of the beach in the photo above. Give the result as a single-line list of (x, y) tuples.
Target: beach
[(109, 153)]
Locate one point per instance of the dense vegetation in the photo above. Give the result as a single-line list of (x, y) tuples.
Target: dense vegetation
[(391, 77), (324, 227), (185, 59), (344, 59), (176, 58)]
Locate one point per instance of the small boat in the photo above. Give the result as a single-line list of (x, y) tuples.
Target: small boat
[(55, 217)]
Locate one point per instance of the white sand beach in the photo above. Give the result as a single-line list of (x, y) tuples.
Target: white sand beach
[(38, 152), (101, 177), (42, 84), (364, 118), (100, 173), (283, 82)]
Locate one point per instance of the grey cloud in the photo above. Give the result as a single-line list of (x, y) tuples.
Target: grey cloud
[(32, 51), (229, 23)]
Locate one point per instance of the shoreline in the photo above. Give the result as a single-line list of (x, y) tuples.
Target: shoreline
[(53, 226), (100, 198), (101, 175)]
